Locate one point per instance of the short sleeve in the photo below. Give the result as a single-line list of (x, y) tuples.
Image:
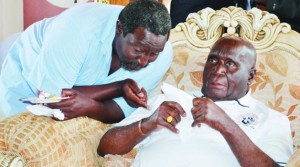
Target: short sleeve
[(58, 68), (277, 141)]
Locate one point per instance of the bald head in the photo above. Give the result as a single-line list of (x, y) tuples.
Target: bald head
[(235, 45), (229, 70)]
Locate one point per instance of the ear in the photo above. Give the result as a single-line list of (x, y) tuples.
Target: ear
[(119, 28), (252, 74)]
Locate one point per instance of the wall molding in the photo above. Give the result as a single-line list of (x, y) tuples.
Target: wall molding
[(11, 17)]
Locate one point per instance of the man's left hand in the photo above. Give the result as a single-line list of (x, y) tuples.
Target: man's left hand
[(206, 111), (75, 106), (133, 95)]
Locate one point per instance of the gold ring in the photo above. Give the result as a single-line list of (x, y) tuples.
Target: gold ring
[(169, 119)]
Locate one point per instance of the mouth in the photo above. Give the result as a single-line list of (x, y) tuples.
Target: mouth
[(217, 85), (131, 66)]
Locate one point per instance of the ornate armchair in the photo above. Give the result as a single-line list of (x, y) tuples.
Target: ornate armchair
[(44, 142), (277, 82)]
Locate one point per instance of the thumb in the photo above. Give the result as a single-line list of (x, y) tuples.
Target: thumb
[(67, 93)]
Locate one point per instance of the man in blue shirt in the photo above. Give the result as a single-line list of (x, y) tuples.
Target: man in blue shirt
[(102, 55)]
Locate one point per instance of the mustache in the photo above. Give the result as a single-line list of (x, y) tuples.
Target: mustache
[(127, 64), (134, 64)]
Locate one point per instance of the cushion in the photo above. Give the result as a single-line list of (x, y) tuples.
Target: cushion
[(46, 142), (11, 159)]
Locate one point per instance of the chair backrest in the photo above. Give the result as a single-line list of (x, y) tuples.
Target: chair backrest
[(277, 82)]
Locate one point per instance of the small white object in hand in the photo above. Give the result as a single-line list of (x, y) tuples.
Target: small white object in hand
[(58, 114), (46, 111)]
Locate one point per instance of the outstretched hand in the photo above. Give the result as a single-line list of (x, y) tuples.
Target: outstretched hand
[(133, 95), (75, 106)]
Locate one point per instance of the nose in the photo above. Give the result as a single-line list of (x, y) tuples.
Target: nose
[(220, 69), (143, 60)]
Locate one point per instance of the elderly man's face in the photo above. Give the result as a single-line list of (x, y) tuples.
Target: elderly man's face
[(139, 49), (229, 70)]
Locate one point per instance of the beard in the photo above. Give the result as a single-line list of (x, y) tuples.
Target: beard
[(131, 65)]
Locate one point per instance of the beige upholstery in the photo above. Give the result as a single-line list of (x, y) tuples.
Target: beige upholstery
[(43, 141)]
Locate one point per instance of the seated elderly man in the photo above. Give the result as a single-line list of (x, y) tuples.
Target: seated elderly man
[(224, 126)]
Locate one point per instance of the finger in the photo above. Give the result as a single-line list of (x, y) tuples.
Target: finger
[(169, 126), (134, 87), (68, 113), (195, 109), (61, 104), (143, 94), (67, 93), (197, 101), (145, 98), (198, 119), (178, 108), (174, 114), (138, 101), (173, 119)]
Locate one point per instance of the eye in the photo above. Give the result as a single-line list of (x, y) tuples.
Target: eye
[(154, 54), (231, 65), (212, 60), (138, 51)]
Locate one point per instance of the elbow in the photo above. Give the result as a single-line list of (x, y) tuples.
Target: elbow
[(101, 152)]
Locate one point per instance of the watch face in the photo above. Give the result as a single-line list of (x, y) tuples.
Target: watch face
[(66, 3)]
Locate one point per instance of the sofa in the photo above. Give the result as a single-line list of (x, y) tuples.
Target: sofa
[(40, 141)]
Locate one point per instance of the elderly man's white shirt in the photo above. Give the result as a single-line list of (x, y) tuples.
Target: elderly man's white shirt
[(204, 146)]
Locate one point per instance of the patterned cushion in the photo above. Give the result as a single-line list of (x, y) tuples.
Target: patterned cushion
[(45, 142), (11, 159)]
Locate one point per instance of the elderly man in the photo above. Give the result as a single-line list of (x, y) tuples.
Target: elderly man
[(227, 127), (105, 53)]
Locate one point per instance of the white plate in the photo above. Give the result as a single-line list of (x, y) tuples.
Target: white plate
[(36, 100)]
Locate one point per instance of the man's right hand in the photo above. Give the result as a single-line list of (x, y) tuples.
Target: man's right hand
[(133, 95), (159, 118)]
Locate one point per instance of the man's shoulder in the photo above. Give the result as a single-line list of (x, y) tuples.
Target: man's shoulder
[(270, 111)]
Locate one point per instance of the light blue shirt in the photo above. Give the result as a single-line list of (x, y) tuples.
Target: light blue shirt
[(71, 49)]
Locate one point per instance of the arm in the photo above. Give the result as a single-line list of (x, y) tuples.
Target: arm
[(127, 88), (79, 104), (247, 153), (121, 140), (96, 101)]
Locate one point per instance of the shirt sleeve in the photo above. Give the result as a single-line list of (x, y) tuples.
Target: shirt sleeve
[(58, 68), (277, 141)]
